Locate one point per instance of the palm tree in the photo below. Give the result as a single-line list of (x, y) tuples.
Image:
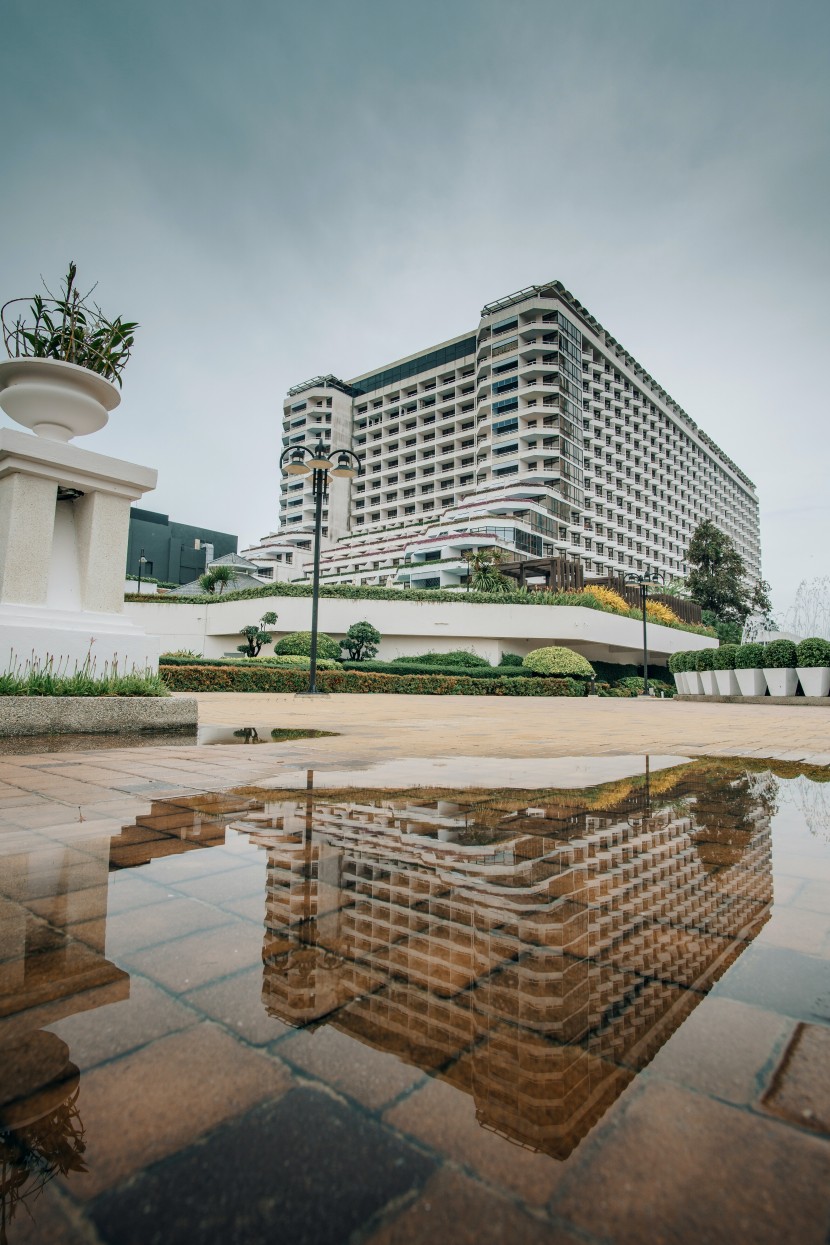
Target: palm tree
[(484, 574)]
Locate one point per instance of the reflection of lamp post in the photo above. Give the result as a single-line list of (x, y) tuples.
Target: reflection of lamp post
[(648, 577), (298, 461), (142, 562)]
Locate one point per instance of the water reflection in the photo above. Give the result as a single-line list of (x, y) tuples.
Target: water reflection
[(535, 956), (534, 950)]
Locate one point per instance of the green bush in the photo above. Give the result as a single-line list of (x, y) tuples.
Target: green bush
[(678, 663), (813, 652), (413, 667), (557, 660), (298, 644), (724, 657), (248, 677), (705, 659), (780, 655), (749, 657), (636, 684), (457, 657), (281, 663), (510, 659)]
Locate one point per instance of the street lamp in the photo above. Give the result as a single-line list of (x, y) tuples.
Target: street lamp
[(648, 578), (142, 562), (299, 461)]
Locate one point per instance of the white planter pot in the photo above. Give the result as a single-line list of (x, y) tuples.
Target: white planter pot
[(727, 683), (693, 683), (781, 682), (751, 682), (815, 680), (56, 400), (707, 679)]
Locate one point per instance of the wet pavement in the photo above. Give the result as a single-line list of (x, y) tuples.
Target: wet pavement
[(247, 1000)]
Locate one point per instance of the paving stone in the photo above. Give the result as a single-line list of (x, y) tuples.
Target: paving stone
[(164, 1097), (680, 1167), (186, 963), (364, 1073), (800, 1090), (306, 1170), (237, 1002)]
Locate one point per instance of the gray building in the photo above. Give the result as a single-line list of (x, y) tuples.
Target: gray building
[(175, 552)]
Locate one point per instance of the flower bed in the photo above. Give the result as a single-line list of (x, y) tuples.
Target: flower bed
[(241, 678)]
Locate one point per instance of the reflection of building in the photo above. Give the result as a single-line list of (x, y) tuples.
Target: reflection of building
[(53, 910), (535, 957)]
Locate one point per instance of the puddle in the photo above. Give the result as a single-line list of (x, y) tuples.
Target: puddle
[(255, 735), (380, 986)]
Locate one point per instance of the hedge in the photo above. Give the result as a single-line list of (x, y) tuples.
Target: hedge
[(234, 678), (413, 667), (287, 662), (363, 592)]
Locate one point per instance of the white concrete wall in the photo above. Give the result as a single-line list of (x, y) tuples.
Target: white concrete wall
[(410, 627)]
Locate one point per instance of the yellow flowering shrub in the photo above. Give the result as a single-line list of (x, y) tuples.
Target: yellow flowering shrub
[(660, 613), (609, 598)]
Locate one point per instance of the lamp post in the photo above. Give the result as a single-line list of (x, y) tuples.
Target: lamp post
[(299, 461), (645, 581), (142, 562)]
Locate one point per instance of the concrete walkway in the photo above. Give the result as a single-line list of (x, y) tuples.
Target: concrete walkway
[(380, 728)]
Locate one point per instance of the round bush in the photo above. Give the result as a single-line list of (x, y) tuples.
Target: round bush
[(558, 660), (510, 659), (813, 652), (679, 663), (298, 644), (749, 657), (704, 659), (780, 655), (724, 657)]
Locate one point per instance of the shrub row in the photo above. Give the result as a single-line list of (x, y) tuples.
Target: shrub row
[(363, 592), (287, 662), (778, 655), (249, 678), (413, 667)]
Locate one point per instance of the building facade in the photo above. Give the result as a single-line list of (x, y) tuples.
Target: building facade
[(537, 432), (175, 552)]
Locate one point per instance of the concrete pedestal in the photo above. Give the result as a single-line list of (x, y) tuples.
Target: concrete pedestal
[(64, 522)]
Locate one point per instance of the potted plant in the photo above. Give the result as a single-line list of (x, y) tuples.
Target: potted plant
[(694, 687), (677, 665), (704, 662), (812, 659), (748, 659), (779, 668), (724, 663), (65, 361)]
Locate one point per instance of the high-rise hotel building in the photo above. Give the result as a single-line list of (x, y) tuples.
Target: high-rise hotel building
[(537, 432)]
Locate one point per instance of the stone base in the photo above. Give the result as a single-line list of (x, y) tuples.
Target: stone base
[(815, 702), (30, 632), (78, 715)]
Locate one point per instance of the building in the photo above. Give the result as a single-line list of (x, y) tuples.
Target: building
[(175, 552), (536, 431)]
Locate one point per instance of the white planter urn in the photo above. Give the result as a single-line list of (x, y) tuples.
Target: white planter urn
[(815, 680), (680, 683), (693, 683), (56, 400), (751, 682), (707, 679), (727, 683), (782, 681)]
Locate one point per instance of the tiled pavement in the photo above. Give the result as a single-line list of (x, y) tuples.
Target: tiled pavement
[(207, 1117)]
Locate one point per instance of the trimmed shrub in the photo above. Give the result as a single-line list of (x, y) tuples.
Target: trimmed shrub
[(705, 659), (724, 657), (679, 663), (280, 663), (298, 644), (636, 685), (510, 659), (780, 655), (413, 667), (749, 657), (813, 652), (456, 657), (558, 660), (247, 677)]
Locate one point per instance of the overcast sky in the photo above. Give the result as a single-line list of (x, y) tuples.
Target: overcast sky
[(276, 190)]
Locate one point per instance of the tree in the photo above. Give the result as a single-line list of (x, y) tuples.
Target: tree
[(217, 577), (484, 574), (718, 578), (256, 636), (361, 641)]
